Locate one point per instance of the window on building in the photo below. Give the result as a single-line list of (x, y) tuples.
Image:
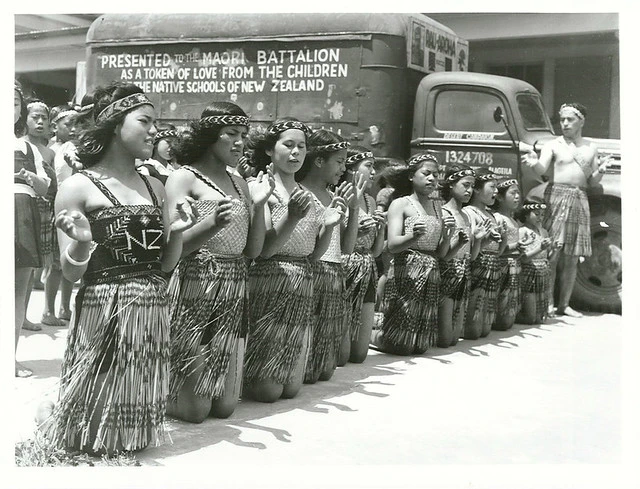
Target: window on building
[(531, 73), (464, 110)]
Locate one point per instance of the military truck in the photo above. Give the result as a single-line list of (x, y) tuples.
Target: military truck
[(395, 83)]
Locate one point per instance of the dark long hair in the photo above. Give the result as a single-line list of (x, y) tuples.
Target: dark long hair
[(97, 138), (21, 124), (261, 140), (193, 142), (398, 176), (319, 138), (446, 185)]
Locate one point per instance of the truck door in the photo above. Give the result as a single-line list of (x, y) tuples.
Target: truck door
[(460, 129)]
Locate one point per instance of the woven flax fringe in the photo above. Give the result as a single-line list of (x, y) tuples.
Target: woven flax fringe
[(455, 283), (280, 311), (411, 313), (130, 320), (509, 300), (208, 299), (486, 277), (567, 218), (360, 272), (330, 318), (535, 280)]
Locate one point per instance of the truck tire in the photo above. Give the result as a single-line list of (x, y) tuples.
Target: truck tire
[(598, 284)]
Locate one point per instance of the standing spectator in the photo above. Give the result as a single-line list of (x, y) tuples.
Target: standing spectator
[(576, 165), (30, 181)]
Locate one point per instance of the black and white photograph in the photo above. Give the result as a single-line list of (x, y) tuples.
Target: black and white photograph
[(322, 249)]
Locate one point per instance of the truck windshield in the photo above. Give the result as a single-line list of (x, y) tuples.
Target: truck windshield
[(532, 113), (467, 110)]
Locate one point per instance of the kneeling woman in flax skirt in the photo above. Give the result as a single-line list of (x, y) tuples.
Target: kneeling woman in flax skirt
[(417, 237), (281, 279), (115, 372), (208, 290)]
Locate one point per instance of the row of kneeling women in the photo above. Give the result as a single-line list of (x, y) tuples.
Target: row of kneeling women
[(210, 281)]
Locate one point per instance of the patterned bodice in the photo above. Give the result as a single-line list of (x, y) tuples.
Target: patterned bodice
[(303, 238), (365, 241), (127, 239), (531, 240), (461, 224), (512, 227), (26, 161), (231, 239), (428, 241), (334, 251)]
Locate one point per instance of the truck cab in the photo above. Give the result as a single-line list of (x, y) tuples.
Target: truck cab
[(488, 121)]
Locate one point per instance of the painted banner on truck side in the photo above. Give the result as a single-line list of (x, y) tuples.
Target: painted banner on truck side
[(310, 81), (431, 49)]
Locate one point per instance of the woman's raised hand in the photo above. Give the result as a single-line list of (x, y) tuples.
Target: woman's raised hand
[(299, 203), (263, 186), (366, 223), (335, 212), (183, 216), (419, 227), (75, 225), (380, 218), (223, 212), (483, 230)]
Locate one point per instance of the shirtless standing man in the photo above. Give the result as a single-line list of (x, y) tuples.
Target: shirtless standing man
[(576, 165)]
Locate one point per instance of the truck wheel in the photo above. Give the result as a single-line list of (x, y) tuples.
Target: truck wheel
[(598, 284)]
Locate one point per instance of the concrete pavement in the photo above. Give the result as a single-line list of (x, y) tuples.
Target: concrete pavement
[(549, 394)]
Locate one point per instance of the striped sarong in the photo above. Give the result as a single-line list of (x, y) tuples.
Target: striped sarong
[(509, 294), (567, 218), (486, 273)]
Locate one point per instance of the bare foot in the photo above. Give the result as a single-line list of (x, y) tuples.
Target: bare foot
[(551, 312), (50, 320), (64, 314), (22, 371), (29, 326), (567, 311)]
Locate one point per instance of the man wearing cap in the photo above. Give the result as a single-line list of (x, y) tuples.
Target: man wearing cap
[(576, 165)]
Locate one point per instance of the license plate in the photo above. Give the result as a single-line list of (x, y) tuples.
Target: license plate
[(472, 158)]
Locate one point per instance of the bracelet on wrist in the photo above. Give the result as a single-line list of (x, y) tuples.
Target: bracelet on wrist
[(73, 262)]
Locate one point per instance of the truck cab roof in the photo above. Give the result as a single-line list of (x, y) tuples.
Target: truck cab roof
[(138, 28), (508, 86)]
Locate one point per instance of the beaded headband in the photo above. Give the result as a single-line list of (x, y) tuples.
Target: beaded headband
[(332, 147), (573, 109), (507, 183), (85, 108), (123, 105), (282, 126), (422, 157), (534, 206), (225, 120), (486, 177), (169, 133), (64, 113), (460, 174), (38, 103), (359, 157)]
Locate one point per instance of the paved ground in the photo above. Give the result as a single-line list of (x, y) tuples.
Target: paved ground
[(533, 395)]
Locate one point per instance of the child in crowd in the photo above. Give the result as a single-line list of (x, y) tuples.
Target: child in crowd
[(486, 271), (360, 269), (455, 267), (323, 166), (537, 250), (417, 237), (163, 160), (507, 202)]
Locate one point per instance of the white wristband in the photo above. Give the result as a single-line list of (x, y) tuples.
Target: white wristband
[(75, 262)]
